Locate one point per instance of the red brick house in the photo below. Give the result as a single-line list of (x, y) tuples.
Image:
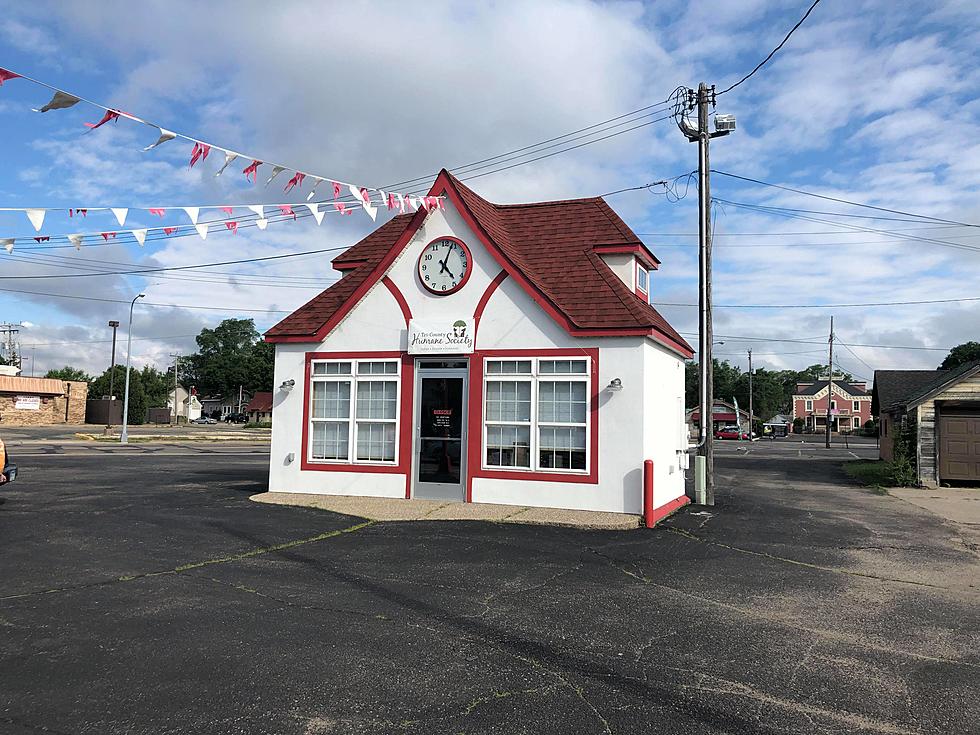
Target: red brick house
[(850, 406)]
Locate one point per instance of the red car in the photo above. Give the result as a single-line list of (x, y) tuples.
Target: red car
[(730, 432)]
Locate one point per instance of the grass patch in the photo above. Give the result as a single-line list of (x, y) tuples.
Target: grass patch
[(258, 425), (875, 473)]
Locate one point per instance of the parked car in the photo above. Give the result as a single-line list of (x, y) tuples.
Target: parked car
[(9, 470), (204, 420), (731, 432), (236, 418)]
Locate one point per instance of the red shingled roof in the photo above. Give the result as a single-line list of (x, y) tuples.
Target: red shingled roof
[(261, 401), (549, 247)]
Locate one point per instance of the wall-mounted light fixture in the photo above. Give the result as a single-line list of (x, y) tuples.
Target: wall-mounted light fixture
[(290, 458), (287, 385), (615, 385)]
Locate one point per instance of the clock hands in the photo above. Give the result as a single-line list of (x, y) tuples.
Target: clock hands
[(444, 268)]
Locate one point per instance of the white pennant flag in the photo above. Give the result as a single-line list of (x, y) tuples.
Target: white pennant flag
[(36, 216), (276, 170), (60, 101), (371, 210), (76, 240), (258, 209), (316, 182), (401, 202), (8, 244), (412, 203), (140, 236), (192, 212), (202, 230), (120, 213), (229, 157), (262, 223), (315, 211), (165, 135)]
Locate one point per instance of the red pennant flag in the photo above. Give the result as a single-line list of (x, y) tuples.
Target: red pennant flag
[(392, 203), (109, 115), (169, 230), (336, 189), (107, 235), (233, 226), (5, 75), (286, 209), (251, 170), (83, 212), (199, 152), (340, 207), (43, 238), (228, 210), (157, 211), (297, 180)]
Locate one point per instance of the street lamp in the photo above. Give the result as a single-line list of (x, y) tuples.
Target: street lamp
[(112, 367), (124, 436)]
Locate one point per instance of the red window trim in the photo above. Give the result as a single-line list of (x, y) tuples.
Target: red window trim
[(406, 411), (474, 458)]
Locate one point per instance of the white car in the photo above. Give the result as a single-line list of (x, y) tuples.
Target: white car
[(204, 420)]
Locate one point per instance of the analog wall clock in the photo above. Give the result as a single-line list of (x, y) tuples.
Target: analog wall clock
[(444, 265)]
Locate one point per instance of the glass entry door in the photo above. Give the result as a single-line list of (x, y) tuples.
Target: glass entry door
[(440, 435)]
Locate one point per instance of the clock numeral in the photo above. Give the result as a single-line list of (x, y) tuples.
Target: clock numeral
[(444, 287), (427, 278), (425, 267), (428, 257)]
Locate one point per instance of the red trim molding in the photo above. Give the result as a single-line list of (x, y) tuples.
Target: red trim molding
[(406, 415), (642, 254), (399, 297), (668, 508), (474, 455), (484, 300)]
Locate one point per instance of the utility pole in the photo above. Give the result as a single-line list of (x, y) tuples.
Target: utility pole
[(701, 99), (112, 365), (830, 381), (124, 437), (751, 418), (239, 399), (176, 358)]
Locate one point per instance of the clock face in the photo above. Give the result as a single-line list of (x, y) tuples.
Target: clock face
[(444, 265)]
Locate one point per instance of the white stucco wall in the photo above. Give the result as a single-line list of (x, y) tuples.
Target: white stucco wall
[(641, 421)]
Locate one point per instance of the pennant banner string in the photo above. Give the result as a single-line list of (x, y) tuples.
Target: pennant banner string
[(201, 148)]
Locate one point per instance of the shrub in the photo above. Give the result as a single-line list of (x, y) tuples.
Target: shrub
[(797, 425)]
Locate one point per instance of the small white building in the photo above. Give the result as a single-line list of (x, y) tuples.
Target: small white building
[(188, 404), (486, 353)]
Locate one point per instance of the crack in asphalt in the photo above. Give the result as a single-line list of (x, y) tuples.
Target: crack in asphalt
[(797, 562), (197, 564), (779, 620)]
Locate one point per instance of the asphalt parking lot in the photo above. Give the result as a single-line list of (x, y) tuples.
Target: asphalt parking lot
[(141, 591)]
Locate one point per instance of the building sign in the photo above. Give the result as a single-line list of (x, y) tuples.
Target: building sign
[(440, 336), (27, 403)]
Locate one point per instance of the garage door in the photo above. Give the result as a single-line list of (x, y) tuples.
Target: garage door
[(959, 446)]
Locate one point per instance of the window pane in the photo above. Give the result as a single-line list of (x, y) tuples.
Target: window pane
[(376, 399), (330, 440), (331, 368), (641, 278), (331, 399), (375, 442), (509, 367), (508, 400), (509, 446), (377, 368), (562, 447), (562, 367), (562, 401)]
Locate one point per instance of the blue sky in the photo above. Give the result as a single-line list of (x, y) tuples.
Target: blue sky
[(870, 101)]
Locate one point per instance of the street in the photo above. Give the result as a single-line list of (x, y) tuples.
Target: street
[(143, 592)]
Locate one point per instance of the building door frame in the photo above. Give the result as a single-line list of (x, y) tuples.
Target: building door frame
[(433, 368)]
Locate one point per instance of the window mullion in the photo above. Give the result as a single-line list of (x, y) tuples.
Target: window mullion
[(352, 422)]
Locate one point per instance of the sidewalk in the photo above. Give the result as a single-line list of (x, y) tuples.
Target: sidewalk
[(400, 509), (961, 505)]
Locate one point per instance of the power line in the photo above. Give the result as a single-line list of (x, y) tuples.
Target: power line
[(773, 52), (844, 201), (145, 303), (854, 354), (824, 306), (804, 232), (812, 341)]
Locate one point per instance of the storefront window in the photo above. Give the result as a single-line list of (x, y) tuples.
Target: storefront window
[(537, 415), (354, 411)]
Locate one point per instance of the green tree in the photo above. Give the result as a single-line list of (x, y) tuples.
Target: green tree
[(137, 395), (156, 385), (961, 355), (228, 356), (69, 373)]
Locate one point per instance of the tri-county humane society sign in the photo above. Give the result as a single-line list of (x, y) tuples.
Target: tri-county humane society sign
[(440, 337)]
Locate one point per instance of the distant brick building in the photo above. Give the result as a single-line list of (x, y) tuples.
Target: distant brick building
[(850, 406), (41, 401)]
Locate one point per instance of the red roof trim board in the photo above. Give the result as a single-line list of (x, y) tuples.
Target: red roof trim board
[(651, 261), (549, 248)]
